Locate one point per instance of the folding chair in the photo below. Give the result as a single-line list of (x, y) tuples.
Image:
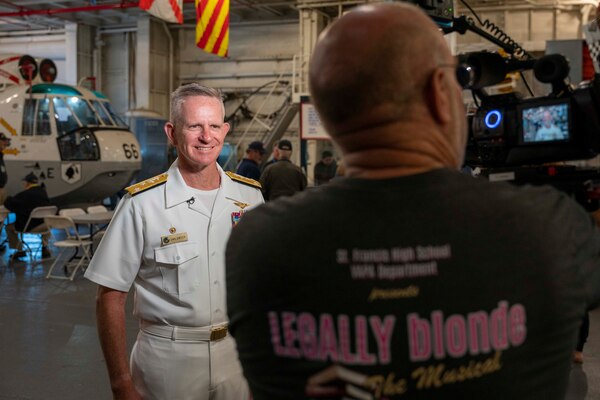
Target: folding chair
[(41, 230), (70, 212), (98, 209), (68, 239), (67, 212)]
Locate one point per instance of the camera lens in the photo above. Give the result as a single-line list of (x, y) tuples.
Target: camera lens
[(465, 75)]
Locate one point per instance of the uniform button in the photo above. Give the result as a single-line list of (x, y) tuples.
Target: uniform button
[(214, 253), (178, 258), (216, 282)]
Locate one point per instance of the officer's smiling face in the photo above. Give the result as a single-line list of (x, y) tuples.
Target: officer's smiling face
[(200, 133)]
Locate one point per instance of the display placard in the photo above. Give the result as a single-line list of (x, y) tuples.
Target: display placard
[(310, 123)]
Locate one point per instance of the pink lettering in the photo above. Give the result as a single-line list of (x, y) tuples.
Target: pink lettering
[(456, 334), (437, 319), (307, 335), (344, 339), (498, 327), (275, 338), (419, 338), (518, 327), (362, 341), (479, 332), (328, 342), (289, 334), (383, 336), (479, 340)]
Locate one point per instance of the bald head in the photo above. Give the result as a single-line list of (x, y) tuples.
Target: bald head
[(374, 58)]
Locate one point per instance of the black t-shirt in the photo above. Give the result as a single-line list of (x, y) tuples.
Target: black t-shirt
[(431, 286)]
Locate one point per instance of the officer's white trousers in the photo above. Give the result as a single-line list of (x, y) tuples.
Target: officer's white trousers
[(164, 369)]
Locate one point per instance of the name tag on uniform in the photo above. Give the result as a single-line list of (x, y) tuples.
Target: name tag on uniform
[(175, 238)]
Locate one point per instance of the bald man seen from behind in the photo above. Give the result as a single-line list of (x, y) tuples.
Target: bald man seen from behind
[(407, 279)]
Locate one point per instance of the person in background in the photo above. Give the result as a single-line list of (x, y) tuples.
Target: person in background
[(22, 204), (167, 240), (325, 169), (274, 156), (249, 167), (282, 178), (4, 144), (407, 279)]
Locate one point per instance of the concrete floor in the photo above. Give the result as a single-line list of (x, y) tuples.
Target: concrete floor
[(48, 343), (49, 347)]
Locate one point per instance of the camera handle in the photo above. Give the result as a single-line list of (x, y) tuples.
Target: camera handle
[(462, 24)]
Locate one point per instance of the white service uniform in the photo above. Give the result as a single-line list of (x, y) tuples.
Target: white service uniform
[(178, 284)]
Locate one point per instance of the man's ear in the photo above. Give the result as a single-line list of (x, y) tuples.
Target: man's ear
[(439, 97), (226, 128), (170, 132)]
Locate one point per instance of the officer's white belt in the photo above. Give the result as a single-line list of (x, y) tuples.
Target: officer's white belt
[(198, 334)]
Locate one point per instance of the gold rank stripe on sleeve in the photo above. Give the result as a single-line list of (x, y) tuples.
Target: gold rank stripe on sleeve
[(147, 184), (243, 179)]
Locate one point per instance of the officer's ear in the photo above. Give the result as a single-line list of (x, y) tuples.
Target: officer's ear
[(225, 127), (170, 132)]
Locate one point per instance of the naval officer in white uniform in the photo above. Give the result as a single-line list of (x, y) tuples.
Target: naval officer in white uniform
[(167, 239)]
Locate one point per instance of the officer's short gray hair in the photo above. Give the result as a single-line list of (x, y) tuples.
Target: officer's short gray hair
[(189, 90)]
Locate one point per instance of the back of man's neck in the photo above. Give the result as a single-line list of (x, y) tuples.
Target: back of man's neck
[(395, 150)]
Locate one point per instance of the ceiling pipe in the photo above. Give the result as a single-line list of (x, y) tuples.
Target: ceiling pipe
[(23, 12), (27, 12)]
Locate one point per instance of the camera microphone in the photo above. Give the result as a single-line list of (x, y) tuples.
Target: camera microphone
[(551, 68), (480, 69)]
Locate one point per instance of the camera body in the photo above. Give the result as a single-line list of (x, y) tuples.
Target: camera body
[(507, 130)]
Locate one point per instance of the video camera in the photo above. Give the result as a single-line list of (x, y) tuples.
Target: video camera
[(507, 130)]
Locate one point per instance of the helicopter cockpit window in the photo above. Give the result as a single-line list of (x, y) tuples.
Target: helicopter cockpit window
[(83, 111), (42, 121), (102, 113), (36, 117), (65, 120), (80, 145), (114, 116), (28, 117)]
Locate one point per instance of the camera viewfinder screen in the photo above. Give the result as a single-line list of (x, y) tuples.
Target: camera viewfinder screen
[(546, 123)]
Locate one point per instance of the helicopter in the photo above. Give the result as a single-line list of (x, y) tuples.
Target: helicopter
[(68, 136)]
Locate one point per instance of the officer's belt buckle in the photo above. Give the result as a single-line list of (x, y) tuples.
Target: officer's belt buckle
[(218, 333)]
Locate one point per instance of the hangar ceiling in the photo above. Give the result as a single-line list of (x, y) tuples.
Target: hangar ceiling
[(21, 15), (24, 15)]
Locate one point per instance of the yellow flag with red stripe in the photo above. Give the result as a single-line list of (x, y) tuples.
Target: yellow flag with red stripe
[(212, 26)]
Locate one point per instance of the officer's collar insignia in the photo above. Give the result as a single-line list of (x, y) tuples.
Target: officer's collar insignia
[(240, 204), (147, 184), (243, 179)]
